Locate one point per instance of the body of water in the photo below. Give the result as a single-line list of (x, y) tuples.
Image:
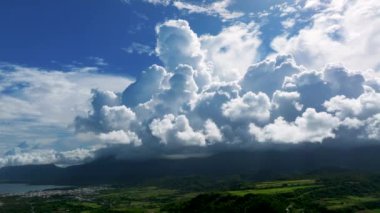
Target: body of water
[(19, 188)]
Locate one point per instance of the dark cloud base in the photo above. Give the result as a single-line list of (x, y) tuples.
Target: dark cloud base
[(263, 163)]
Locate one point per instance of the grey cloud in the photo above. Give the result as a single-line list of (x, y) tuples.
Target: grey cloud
[(142, 90), (268, 76)]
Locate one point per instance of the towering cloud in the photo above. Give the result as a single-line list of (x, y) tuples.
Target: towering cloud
[(189, 103), (178, 44), (212, 92)]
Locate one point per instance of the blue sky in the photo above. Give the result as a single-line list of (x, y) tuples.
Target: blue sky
[(56, 34), (162, 77)]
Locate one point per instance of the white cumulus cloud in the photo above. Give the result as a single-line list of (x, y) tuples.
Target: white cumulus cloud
[(312, 126), (250, 106)]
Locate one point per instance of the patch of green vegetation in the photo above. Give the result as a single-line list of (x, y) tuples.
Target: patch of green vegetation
[(85, 204), (271, 191), (284, 183), (373, 211), (277, 187), (346, 202), (129, 210), (224, 202)]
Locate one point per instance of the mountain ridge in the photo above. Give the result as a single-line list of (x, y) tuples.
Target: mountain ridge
[(109, 170)]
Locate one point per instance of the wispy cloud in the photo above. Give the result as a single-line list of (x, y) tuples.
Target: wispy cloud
[(140, 49), (155, 2), (217, 8), (98, 61)]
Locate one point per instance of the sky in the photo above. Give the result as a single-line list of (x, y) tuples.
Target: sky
[(158, 78)]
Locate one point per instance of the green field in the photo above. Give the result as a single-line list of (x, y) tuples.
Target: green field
[(140, 199), (284, 183), (271, 191), (373, 211), (349, 201)]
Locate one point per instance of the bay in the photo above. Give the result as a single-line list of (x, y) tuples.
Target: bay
[(19, 188)]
